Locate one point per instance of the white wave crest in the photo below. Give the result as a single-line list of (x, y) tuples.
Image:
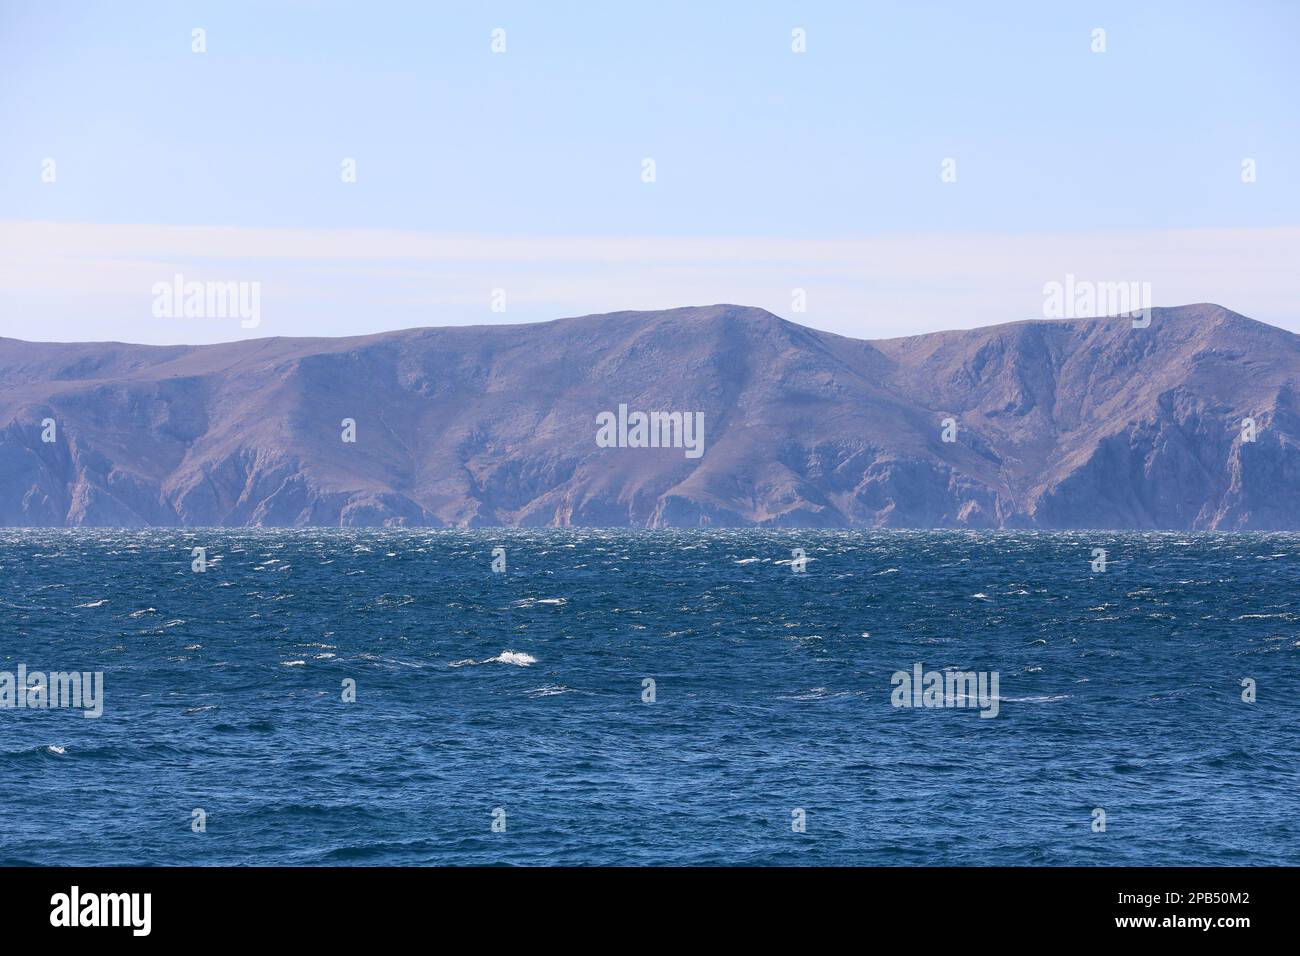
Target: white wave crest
[(518, 658)]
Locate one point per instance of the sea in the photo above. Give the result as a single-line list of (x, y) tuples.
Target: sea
[(649, 697)]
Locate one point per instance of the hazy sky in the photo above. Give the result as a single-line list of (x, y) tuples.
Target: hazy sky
[(524, 170)]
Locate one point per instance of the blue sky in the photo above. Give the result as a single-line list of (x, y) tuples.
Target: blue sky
[(841, 144)]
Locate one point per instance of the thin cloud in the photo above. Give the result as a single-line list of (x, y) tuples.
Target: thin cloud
[(92, 281)]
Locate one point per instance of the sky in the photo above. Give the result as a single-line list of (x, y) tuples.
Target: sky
[(918, 166)]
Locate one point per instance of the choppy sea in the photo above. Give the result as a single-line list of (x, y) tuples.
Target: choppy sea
[(650, 697)]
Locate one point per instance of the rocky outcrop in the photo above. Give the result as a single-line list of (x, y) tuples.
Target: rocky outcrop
[(1059, 424)]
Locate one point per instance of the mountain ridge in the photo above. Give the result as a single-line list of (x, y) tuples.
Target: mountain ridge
[(1063, 423)]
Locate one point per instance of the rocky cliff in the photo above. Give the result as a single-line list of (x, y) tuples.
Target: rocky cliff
[(1058, 424)]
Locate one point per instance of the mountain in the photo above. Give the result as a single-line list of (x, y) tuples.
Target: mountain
[(1086, 423)]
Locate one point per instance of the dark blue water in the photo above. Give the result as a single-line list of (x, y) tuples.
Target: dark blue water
[(1119, 690)]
